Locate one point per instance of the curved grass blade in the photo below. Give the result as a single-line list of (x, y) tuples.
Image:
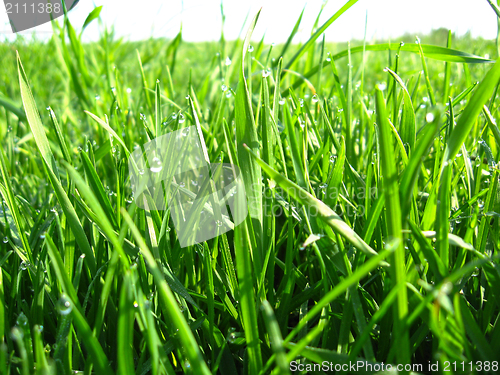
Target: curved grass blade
[(51, 168), (432, 52), (468, 117), (325, 213), (408, 125), (320, 31)]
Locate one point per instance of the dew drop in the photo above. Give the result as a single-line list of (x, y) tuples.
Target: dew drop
[(228, 61), (315, 98), (156, 165), (5, 240), (250, 48), (64, 305)]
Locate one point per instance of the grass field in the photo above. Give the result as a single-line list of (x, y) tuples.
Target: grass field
[(373, 233)]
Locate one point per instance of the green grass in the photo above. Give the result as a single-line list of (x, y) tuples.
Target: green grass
[(372, 176)]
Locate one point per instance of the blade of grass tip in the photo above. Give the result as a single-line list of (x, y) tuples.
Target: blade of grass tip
[(106, 126), (469, 115), (492, 125), (169, 303), (144, 80), (394, 226), (430, 91), (447, 72), (246, 132), (318, 32), (325, 213), (34, 120), (408, 124), (277, 90), (411, 172), (275, 337), (157, 109), (349, 114), (60, 136), (91, 17), (292, 34), (51, 170)]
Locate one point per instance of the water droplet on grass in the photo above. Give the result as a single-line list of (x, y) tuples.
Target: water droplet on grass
[(250, 48), (64, 305), (156, 165)]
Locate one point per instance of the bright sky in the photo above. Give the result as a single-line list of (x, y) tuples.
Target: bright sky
[(201, 19)]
